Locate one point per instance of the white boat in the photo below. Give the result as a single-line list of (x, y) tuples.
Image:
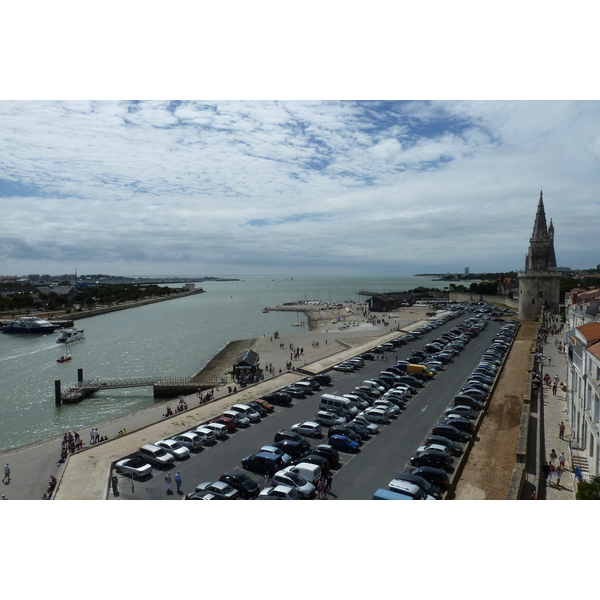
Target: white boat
[(70, 335), (29, 325)]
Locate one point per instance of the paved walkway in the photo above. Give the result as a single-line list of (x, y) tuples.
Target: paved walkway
[(555, 412)]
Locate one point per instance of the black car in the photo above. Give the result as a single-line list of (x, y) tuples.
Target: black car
[(410, 381), (322, 379), (360, 429), (367, 356), (437, 477), (288, 434), (455, 448), (431, 458), (295, 392), (396, 399), (280, 398), (467, 400), (328, 452), (461, 423), (263, 462), (424, 484), (295, 449), (344, 430), (451, 432), (317, 459), (247, 487), (259, 408)]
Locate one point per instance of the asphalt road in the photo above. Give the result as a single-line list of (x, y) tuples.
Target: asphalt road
[(379, 459)]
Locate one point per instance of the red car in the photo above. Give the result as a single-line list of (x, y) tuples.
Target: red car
[(264, 403), (229, 423)]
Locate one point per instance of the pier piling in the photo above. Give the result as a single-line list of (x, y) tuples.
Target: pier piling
[(57, 395)]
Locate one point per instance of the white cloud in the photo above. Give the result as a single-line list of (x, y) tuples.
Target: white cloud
[(396, 187)]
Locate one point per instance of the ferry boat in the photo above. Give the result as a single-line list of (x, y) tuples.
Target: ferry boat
[(70, 335), (29, 325)]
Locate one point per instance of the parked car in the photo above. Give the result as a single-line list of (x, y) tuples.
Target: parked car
[(308, 428), (363, 431), (222, 490), (431, 458), (286, 434), (345, 431), (327, 417), (454, 447), (304, 488), (461, 423), (266, 405), (450, 432), (263, 462), (375, 415), (294, 449), (295, 392), (134, 467), (317, 459), (279, 398), (190, 439), (328, 452), (208, 435), (343, 443), (322, 379), (437, 477), (228, 422), (258, 407), (364, 422), (287, 458), (460, 409), (240, 419), (246, 486), (424, 484), (219, 429), (201, 495), (177, 449), (279, 492)]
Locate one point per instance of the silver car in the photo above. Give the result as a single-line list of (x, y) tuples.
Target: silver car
[(208, 435), (177, 449), (309, 428), (219, 429), (189, 439), (134, 467), (279, 492), (240, 419), (222, 490), (304, 488)]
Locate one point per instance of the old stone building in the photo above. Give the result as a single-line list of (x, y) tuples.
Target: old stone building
[(539, 284)]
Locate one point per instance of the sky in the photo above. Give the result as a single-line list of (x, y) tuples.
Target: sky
[(289, 178)]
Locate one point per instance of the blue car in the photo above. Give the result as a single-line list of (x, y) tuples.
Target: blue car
[(343, 443)]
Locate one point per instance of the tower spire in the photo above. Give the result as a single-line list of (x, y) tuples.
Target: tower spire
[(540, 230)]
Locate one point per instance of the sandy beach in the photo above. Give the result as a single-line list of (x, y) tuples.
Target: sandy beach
[(85, 475)]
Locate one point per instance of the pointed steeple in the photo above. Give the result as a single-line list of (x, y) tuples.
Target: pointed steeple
[(551, 229), (539, 227)]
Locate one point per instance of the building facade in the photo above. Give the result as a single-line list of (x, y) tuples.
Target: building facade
[(539, 284)]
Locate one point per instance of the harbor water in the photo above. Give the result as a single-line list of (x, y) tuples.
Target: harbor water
[(175, 338)]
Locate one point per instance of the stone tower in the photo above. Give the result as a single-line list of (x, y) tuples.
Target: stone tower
[(539, 284)]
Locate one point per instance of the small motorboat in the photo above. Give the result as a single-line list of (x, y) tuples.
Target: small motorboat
[(70, 335), (64, 358), (266, 310)]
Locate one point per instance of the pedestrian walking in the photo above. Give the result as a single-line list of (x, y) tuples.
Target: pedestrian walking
[(561, 460), (551, 473), (561, 431), (178, 481), (329, 485), (168, 483), (6, 478), (558, 475), (554, 389), (546, 471), (553, 456), (322, 489)]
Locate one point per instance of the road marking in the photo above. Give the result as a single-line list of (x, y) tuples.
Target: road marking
[(424, 408)]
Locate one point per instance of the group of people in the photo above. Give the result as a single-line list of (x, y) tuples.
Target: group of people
[(324, 487), (551, 470), (51, 486)]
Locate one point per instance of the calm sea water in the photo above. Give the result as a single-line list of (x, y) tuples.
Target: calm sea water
[(176, 338)]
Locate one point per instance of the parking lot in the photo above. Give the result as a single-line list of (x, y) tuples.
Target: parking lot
[(380, 457)]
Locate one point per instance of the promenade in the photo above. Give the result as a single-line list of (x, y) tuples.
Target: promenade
[(86, 473), (555, 412)]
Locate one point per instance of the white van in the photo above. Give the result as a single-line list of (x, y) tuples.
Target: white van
[(344, 404), (310, 472)]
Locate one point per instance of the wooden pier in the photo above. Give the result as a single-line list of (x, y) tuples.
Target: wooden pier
[(163, 387)]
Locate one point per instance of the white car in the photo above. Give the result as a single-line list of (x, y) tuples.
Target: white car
[(304, 488), (189, 439), (177, 449), (134, 467), (435, 447), (219, 429), (222, 490), (279, 492), (375, 415), (207, 434), (325, 417), (240, 419), (309, 428), (392, 408)]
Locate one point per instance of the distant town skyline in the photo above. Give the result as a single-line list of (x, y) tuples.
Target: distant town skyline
[(347, 188)]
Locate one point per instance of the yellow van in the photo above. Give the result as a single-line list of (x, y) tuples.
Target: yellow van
[(422, 369)]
